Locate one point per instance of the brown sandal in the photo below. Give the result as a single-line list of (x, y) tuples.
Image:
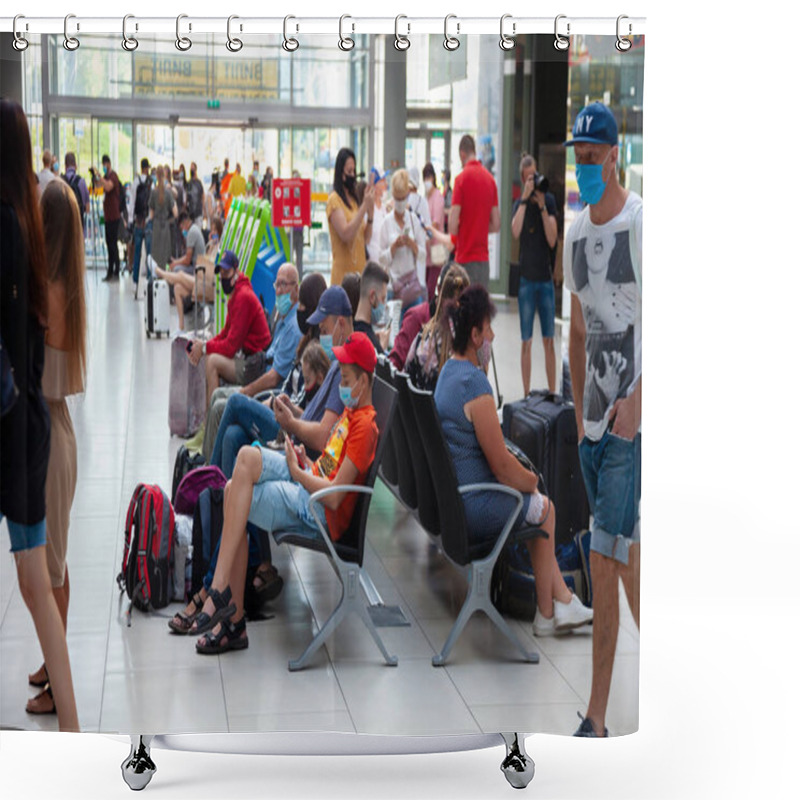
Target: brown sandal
[(269, 583), (182, 622), (30, 708)]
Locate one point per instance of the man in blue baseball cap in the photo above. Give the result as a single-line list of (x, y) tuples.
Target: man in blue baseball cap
[(602, 270)]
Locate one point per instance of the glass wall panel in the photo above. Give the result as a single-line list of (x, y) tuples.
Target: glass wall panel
[(75, 136), (154, 142), (209, 147), (114, 139), (98, 68), (320, 77)]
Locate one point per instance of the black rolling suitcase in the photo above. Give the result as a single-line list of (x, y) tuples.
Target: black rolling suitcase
[(543, 426)]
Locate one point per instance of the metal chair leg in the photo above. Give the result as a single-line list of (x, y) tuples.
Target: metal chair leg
[(138, 768), (518, 766)]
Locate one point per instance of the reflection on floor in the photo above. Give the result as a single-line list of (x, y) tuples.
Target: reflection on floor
[(142, 679)]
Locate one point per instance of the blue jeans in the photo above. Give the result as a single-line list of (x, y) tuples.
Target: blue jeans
[(145, 233), (280, 504), (254, 555), (535, 295), (244, 420), (612, 473)]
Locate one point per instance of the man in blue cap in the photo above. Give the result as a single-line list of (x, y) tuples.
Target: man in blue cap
[(602, 270)]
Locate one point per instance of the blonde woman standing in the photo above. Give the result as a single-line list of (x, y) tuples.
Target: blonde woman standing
[(64, 371)]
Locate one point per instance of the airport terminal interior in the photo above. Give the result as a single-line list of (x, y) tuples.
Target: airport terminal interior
[(293, 115)]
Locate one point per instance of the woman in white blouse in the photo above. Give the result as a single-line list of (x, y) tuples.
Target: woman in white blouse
[(402, 245)]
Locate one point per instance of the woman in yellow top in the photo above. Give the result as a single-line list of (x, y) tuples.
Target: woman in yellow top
[(350, 224)]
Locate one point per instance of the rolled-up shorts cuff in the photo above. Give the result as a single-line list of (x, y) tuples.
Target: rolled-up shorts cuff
[(26, 537), (612, 546)]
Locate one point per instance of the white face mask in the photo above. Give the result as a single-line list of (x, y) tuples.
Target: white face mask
[(428, 185), (400, 205)]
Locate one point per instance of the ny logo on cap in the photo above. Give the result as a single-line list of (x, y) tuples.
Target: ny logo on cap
[(579, 123)]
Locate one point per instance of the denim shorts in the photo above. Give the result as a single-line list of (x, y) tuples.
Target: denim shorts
[(280, 504), (26, 537), (533, 296), (612, 473)]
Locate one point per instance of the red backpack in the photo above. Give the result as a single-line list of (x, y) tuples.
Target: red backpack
[(147, 558)]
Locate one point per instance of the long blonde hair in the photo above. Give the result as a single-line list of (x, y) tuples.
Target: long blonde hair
[(160, 183), (65, 265), (454, 282)]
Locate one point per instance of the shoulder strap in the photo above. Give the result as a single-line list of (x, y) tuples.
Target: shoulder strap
[(633, 244)]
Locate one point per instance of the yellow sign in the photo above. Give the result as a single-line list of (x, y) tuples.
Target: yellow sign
[(191, 77)]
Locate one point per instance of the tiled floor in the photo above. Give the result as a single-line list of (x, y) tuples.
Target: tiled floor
[(142, 678)]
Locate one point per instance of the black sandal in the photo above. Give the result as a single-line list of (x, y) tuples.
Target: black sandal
[(39, 684), (270, 583), (232, 636), (182, 622), (223, 609), (45, 691)]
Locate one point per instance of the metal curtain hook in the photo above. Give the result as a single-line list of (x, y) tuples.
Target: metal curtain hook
[(561, 42), (623, 45), (183, 43), (233, 44), (507, 42), (129, 43), (20, 43), (451, 42), (346, 42), (290, 44), (401, 41), (70, 42)]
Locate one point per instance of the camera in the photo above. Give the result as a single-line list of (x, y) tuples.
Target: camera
[(540, 183)]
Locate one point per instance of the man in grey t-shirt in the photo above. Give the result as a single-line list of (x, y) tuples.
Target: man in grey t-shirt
[(195, 246)]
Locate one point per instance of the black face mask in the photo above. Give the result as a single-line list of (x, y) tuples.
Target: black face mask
[(302, 321), (227, 285), (350, 183)]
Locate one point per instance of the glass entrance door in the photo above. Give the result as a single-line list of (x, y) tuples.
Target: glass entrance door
[(425, 146)]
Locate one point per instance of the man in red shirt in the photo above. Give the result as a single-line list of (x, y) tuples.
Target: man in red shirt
[(238, 352), (273, 492), (474, 214)]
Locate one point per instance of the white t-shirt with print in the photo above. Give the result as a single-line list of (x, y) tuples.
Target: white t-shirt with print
[(600, 270)]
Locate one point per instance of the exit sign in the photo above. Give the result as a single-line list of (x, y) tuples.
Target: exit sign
[(213, 104)]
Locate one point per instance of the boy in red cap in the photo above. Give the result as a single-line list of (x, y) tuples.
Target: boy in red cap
[(273, 492)]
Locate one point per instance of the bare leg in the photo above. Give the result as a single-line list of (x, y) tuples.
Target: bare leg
[(525, 363), (550, 363), (549, 581), (34, 584), (61, 594), (605, 590), (630, 580), (236, 509), (180, 294), (217, 367)]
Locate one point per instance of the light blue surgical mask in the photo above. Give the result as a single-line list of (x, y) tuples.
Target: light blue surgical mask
[(346, 395), (185, 233), (283, 302), (377, 314), (326, 342), (590, 182)]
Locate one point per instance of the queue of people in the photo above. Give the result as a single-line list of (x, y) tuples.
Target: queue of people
[(288, 406)]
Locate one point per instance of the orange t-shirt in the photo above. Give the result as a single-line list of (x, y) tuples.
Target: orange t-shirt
[(355, 436)]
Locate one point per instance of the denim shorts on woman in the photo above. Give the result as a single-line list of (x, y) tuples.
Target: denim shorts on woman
[(280, 504), (612, 473), (533, 296)]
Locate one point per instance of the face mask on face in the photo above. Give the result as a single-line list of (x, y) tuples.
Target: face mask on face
[(227, 285), (350, 183), (214, 237), (185, 233), (105, 169), (55, 166), (400, 205), (428, 185), (283, 303), (346, 395), (485, 353), (590, 182), (377, 313), (326, 342)]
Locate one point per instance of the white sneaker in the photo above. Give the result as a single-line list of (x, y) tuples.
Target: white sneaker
[(542, 626), (571, 615)]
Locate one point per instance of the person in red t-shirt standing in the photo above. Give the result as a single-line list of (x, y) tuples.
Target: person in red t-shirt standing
[(474, 214), (238, 353), (273, 492), (111, 214)]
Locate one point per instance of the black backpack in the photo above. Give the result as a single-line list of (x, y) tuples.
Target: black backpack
[(75, 185), (141, 201), (123, 202), (194, 203)]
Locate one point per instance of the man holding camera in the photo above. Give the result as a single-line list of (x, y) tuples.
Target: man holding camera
[(112, 213), (534, 223)]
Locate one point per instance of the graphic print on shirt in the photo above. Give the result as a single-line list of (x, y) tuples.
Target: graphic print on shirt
[(329, 462), (606, 286)]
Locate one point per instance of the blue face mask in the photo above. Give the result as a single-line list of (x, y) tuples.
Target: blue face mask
[(377, 314), (326, 342), (346, 395), (185, 233), (283, 302), (590, 182)]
